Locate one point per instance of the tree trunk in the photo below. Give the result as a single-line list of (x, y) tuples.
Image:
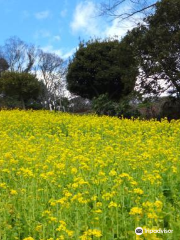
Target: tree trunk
[(23, 103)]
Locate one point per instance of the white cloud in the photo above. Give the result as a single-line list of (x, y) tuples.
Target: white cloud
[(69, 53), (63, 53), (42, 15), (84, 19), (50, 48), (118, 29)]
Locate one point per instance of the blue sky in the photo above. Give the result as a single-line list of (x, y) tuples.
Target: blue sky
[(56, 25)]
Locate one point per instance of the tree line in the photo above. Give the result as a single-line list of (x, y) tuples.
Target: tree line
[(144, 64), (113, 76), (30, 77)]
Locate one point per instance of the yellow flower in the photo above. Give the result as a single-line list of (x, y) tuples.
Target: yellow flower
[(135, 210), (158, 205), (107, 196), (99, 204), (84, 237), (38, 228), (46, 212), (93, 198), (62, 226), (93, 232), (67, 194), (98, 211), (13, 192), (147, 204), (152, 215), (28, 238), (134, 183), (96, 233), (112, 204), (122, 175), (70, 233), (52, 219), (73, 170), (138, 191), (75, 185), (3, 185), (174, 169), (61, 200), (61, 237), (112, 173), (85, 165), (8, 155)]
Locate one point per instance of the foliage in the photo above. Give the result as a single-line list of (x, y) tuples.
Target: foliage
[(21, 86), (103, 106), (66, 176), (10, 102), (126, 107), (157, 48), (102, 67), (171, 108), (3, 65), (18, 56)]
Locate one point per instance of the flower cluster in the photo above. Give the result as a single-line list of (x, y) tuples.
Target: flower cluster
[(65, 176)]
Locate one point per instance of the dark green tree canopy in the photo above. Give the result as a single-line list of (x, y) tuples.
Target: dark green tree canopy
[(157, 45), (165, 40), (100, 67), (3, 65), (24, 86)]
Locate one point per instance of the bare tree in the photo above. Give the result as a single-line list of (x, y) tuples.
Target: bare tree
[(124, 9), (51, 70), (19, 55)]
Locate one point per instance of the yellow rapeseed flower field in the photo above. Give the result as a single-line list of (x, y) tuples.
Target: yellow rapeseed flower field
[(66, 176)]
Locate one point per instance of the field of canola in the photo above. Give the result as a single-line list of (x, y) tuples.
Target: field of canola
[(76, 177)]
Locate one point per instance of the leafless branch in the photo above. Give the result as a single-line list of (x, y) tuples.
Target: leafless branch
[(111, 9)]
